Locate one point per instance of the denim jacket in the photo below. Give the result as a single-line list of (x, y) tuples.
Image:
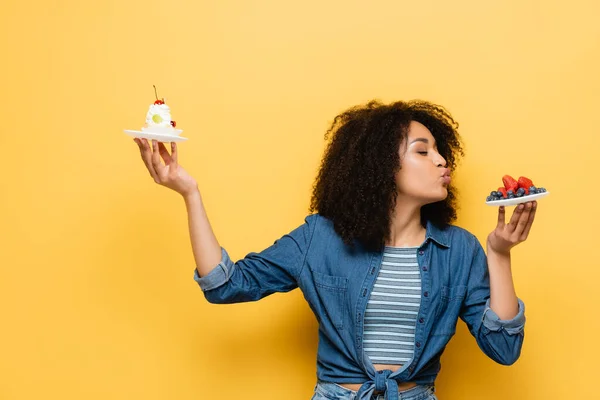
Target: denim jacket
[(336, 281)]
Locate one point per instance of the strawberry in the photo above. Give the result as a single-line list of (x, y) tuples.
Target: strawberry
[(510, 183), (525, 183), (503, 191)]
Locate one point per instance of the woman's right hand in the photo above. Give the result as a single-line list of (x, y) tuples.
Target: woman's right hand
[(171, 174)]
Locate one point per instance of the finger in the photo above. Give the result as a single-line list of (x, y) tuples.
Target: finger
[(164, 153), (158, 167), (501, 217), (146, 157), (529, 222), (174, 153), (522, 222), (514, 219)]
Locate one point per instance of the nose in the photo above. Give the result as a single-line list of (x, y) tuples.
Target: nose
[(441, 161)]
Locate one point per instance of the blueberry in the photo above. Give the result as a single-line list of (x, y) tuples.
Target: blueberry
[(542, 190), (520, 194), (490, 198), (511, 195), (532, 190), (521, 191), (510, 192)]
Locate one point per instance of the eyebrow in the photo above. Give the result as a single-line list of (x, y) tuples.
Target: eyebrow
[(421, 139)]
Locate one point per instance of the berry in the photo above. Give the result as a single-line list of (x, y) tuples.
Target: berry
[(510, 183), (159, 102), (514, 189), (173, 124), (525, 183)]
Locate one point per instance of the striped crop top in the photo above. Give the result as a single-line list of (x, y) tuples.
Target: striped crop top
[(391, 314)]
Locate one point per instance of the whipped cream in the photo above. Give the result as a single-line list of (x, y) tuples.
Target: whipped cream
[(158, 115), (158, 120)]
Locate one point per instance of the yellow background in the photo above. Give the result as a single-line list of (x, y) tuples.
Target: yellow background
[(96, 292)]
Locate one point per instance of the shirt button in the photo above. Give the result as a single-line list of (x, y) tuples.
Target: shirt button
[(418, 344), (421, 252), (426, 294), (421, 320), (364, 292), (425, 268)]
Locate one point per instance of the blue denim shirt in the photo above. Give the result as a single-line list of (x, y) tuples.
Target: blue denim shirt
[(337, 281)]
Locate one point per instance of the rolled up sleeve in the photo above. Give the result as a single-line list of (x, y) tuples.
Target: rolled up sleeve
[(512, 326), (218, 276), (259, 274), (501, 340)]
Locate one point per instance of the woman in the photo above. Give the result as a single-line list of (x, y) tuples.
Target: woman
[(380, 264)]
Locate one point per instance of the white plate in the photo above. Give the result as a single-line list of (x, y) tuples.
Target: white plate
[(517, 200), (161, 137)]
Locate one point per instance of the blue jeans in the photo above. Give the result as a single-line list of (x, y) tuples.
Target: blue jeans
[(333, 391)]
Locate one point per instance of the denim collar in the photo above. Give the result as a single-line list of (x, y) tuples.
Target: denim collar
[(440, 236)]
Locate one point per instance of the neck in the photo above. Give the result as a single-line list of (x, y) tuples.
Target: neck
[(405, 226)]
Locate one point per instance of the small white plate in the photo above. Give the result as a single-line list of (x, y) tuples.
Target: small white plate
[(517, 200), (161, 137)]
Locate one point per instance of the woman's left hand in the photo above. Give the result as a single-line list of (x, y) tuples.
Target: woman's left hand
[(506, 236)]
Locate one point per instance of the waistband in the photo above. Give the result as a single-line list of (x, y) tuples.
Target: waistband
[(333, 390)]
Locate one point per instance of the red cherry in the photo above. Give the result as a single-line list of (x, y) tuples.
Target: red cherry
[(158, 101), (173, 124)]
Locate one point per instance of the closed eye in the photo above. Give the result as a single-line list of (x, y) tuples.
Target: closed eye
[(422, 152)]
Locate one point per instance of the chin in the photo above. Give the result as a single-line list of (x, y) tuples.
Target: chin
[(436, 199)]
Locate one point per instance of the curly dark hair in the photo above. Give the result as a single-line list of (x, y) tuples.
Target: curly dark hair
[(356, 187)]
